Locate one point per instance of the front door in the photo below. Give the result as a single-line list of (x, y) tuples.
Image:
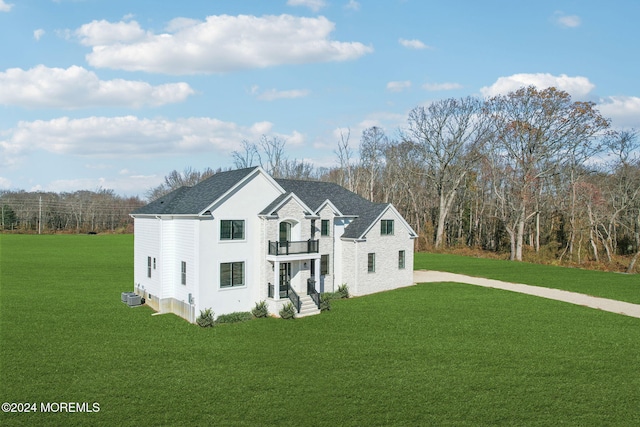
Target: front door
[(285, 279)]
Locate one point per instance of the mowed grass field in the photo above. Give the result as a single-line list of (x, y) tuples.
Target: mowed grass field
[(437, 354)]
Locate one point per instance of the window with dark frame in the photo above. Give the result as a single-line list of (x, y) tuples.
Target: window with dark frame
[(386, 227), (183, 272), (324, 227), (401, 260), (148, 266), (232, 229), (231, 274), (371, 263), (324, 265)]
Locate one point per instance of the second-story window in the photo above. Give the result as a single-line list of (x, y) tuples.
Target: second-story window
[(324, 227), (232, 229)]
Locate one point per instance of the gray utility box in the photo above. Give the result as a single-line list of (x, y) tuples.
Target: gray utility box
[(133, 300), (125, 296)]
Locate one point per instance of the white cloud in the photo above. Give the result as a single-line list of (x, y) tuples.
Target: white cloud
[(104, 33), (578, 87), (76, 87), (219, 44), (623, 110), (5, 183), (413, 44), (434, 87), (353, 5), (314, 5), (566, 21), (273, 94), (398, 86), (296, 139), (127, 136), (5, 7), (37, 34)]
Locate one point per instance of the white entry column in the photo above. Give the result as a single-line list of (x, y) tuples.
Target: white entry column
[(316, 269), (276, 280)]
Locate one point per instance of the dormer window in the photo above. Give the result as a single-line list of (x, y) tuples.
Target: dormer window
[(386, 227), (324, 227)]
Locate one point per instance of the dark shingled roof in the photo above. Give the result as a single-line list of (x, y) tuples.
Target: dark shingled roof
[(193, 200), (315, 193), (365, 219)]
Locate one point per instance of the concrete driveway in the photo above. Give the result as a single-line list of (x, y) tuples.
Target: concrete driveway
[(613, 306)]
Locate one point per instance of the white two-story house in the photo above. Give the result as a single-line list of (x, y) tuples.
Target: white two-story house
[(241, 237)]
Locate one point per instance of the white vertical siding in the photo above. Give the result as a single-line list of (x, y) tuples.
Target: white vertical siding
[(185, 247), (245, 204), (168, 257), (146, 240)]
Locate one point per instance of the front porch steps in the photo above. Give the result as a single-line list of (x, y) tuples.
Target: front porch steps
[(307, 307)]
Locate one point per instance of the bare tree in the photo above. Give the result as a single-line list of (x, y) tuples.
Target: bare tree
[(403, 182), (372, 145), (535, 133), (174, 180), (345, 154), (248, 157), (274, 156), (297, 169), (449, 135), (623, 192)]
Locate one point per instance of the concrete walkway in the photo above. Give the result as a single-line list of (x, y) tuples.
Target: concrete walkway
[(620, 307)]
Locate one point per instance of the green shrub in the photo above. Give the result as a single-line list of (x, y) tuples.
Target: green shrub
[(260, 310), (288, 311), (325, 301), (343, 290), (330, 295), (205, 319), (235, 317)]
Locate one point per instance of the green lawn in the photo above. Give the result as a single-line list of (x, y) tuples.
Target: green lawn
[(438, 354), (618, 286)]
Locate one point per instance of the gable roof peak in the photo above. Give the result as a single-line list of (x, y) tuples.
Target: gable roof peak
[(194, 200)]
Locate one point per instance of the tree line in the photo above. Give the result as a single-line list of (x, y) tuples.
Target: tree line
[(530, 172), (79, 212)]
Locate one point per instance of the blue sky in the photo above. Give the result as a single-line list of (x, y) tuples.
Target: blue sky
[(116, 94)]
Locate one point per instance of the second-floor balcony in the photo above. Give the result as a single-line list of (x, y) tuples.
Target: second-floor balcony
[(292, 248)]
